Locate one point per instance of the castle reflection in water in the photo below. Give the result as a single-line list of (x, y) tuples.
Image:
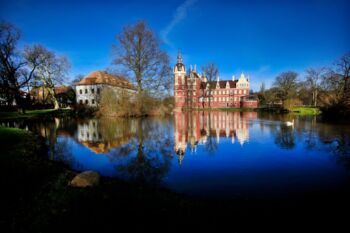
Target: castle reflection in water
[(190, 129), (199, 128)]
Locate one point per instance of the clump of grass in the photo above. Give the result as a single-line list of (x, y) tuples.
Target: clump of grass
[(306, 111)]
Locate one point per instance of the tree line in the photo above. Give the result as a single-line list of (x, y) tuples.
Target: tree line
[(27, 67), (327, 88)]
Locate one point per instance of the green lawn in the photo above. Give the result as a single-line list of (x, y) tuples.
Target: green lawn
[(306, 111), (33, 113), (13, 141)]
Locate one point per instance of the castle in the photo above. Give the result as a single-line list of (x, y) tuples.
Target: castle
[(192, 90)]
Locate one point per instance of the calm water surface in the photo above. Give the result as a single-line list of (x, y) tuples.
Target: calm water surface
[(218, 154)]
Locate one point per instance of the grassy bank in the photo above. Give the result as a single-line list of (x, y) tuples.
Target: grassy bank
[(35, 113), (306, 111), (302, 111)]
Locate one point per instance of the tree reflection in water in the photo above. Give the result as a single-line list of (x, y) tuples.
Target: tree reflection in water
[(342, 149), (284, 137), (150, 152), (338, 140)]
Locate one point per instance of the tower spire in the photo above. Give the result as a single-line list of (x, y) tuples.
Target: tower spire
[(179, 57)]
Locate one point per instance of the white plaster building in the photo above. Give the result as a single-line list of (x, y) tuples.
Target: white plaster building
[(89, 89)]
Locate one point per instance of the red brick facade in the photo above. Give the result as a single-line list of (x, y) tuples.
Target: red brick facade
[(194, 91)]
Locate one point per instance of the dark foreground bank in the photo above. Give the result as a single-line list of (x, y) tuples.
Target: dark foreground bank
[(36, 198)]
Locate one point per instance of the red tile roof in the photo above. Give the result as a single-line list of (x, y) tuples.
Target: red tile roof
[(101, 77), (62, 89)]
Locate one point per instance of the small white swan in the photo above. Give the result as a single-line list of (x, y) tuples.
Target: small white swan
[(290, 123)]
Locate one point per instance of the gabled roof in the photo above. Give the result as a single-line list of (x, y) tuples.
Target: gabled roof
[(101, 77), (62, 89), (222, 84)]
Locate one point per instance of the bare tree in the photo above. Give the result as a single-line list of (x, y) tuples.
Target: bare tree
[(138, 52), (343, 68), (51, 71), (77, 79), (286, 84), (313, 81), (211, 72), (14, 72)]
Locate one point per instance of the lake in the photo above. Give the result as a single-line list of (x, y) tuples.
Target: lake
[(206, 154)]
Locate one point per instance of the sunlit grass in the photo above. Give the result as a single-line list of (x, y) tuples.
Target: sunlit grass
[(306, 111)]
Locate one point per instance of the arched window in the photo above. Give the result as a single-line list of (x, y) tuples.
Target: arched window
[(86, 101)]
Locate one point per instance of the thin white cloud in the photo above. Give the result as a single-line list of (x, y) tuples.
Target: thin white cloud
[(262, 75), (179, 15)]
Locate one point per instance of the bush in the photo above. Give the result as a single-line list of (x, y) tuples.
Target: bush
[(82, 110), (124, 104), (290, 103)]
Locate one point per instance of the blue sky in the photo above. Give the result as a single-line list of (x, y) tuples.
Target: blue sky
[(259, 38)]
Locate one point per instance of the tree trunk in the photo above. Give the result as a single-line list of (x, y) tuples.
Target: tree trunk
[(54, 99), (56, 104), (315, 99), (19, 103)]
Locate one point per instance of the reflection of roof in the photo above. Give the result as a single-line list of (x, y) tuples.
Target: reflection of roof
[(101, 77), (105, 147)]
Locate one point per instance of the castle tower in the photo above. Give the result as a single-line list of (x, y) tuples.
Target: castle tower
[(180, 85)]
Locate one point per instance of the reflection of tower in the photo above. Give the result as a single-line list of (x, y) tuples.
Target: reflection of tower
[(187, 130), (180, 134)]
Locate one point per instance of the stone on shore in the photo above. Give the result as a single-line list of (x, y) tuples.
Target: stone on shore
[(85, 179)]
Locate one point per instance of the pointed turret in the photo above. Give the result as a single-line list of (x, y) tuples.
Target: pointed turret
[(179, 57), (179, 67)]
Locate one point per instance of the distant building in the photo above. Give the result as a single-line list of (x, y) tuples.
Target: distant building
[(192, 90), (64, 94), (89, 89)]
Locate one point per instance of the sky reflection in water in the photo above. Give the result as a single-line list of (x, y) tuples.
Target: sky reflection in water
[(217, 154)]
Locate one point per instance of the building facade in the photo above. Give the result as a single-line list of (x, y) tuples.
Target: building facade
[(89, 89), (192, 90)]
